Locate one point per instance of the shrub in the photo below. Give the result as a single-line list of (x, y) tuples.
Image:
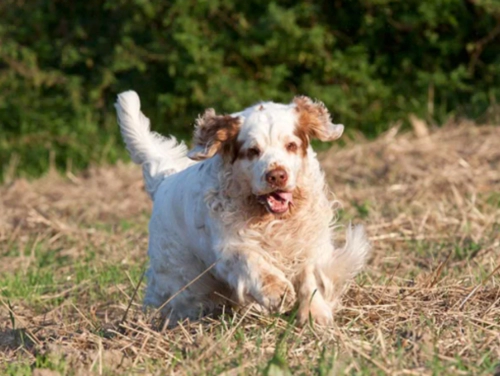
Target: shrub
[(371, 61)]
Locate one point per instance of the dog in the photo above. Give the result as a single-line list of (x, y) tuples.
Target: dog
[(245, 216)]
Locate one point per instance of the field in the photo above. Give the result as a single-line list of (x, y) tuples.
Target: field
[(73, 250)]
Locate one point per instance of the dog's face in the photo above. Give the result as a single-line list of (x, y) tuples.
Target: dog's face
[(270, 154), (266, 145)]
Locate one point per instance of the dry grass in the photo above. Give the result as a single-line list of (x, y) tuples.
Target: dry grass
[(73, 251)]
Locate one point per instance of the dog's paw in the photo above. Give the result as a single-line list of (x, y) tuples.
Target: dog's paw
[(277, 293), (317, 311)]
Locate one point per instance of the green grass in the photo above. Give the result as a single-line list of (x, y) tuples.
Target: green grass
[(93, 281), (34, 287)]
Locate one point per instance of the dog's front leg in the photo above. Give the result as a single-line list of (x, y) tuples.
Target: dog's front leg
[(250, 275), (312, 304)]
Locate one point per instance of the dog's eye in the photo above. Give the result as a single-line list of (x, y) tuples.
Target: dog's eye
[(253, 152), (291, 147)]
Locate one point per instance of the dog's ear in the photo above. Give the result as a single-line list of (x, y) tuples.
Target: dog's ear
[(314, 120), (212, 132)]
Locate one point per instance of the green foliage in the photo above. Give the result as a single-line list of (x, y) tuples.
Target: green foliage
[(371, 61)]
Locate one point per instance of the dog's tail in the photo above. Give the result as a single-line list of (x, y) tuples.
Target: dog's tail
[(159, 156), (338, 270)]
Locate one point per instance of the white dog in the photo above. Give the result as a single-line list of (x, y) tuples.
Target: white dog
[(252, 221)]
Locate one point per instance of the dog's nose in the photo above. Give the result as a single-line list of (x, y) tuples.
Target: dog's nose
[(277, 177)]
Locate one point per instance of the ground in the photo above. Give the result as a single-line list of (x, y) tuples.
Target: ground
[(73, 250)]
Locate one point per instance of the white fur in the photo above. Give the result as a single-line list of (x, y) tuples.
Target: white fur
[(269, 130), (205, 216), (158, 155)]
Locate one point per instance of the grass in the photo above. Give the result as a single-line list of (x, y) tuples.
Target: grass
[(73, 250)]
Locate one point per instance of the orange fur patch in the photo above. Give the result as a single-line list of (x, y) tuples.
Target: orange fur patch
[(217, 133), (314, 120)]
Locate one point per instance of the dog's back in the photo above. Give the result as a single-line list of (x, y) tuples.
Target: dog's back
[(159, 156)]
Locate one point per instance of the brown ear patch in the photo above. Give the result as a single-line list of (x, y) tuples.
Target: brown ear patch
[(314, 121), (214, 133), (302, 133)]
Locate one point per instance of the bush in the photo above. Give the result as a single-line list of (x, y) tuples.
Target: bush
[(371, 61)]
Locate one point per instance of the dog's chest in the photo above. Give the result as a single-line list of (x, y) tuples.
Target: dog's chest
[(284, 242)]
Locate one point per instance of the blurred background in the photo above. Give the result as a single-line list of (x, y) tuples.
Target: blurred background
[(373, 63)]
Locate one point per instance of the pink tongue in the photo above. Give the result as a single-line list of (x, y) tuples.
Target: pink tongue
[(285, 196)]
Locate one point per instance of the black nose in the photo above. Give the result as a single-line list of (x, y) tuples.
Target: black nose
[(277, 177)]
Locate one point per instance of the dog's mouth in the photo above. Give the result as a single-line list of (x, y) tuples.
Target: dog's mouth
[(276, 202)]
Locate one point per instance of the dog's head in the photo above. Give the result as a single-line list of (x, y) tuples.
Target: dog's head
[(267, 145)]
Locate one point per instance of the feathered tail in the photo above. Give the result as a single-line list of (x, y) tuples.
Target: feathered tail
[(159, 156), (341, 267)]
